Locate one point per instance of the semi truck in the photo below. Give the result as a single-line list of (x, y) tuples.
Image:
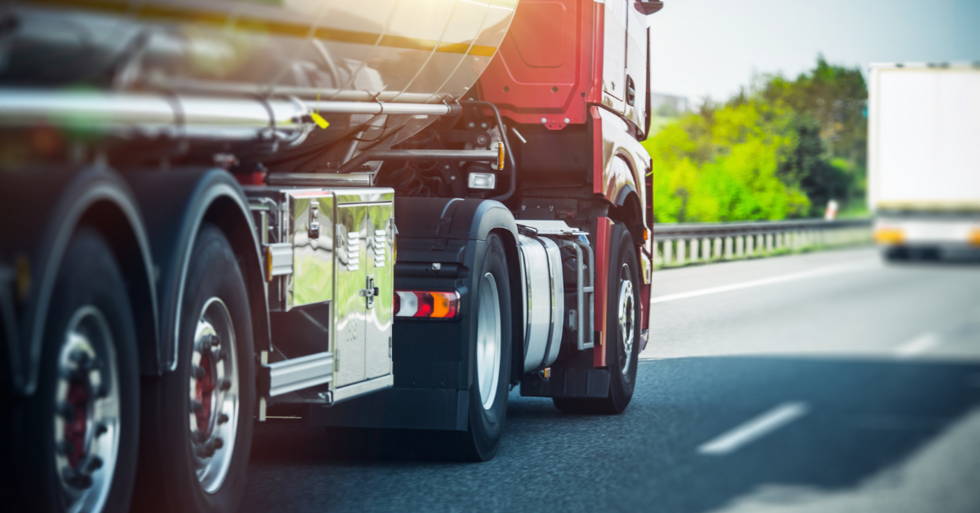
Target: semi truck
[(373, 215), (924, 149)]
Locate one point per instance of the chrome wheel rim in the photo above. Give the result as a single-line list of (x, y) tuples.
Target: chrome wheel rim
[(626, 318), (87, 423), (213, 395), (488, 340)]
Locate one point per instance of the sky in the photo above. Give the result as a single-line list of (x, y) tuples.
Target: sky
[(711, 48)]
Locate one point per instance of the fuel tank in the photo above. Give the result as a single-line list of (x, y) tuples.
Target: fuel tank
[(415, 51)]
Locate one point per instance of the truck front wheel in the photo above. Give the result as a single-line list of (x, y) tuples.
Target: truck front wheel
[(197, 421), (622, 330)]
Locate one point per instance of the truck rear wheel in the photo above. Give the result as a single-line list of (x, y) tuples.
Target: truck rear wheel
[(488, 393), (197, 420), (622, 331), (82, 424)]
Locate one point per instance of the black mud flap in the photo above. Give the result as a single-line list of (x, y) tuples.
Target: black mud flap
[(567, 382)]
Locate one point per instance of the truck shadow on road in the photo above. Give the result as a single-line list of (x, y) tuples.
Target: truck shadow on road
[(866, 422)]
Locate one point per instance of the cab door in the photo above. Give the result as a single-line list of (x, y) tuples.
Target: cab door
[(614, 55), (637, 56)]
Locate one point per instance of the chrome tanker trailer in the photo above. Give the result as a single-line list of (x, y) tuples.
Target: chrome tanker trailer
[(371, 215)]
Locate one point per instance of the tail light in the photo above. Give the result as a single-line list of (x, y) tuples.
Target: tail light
[(889, 236), (426, 304), (973, 238)]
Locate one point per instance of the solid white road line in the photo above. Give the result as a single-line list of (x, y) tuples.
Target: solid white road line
[(754, 429), (758, 283), (918, 345)]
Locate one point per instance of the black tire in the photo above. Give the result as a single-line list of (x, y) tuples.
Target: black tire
[(89, 300), (623, 267), (896, 254), (482, 439), (167, 479)]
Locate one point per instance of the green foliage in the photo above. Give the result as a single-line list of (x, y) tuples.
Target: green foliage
[(782, 149)]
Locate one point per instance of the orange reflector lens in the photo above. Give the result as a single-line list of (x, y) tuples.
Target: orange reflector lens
[(500, 156), (646, 234), (890, 236), (426, 304), (268, 264), (973, 238)]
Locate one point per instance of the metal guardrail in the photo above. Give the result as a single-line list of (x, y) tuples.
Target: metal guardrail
[(681, 243)]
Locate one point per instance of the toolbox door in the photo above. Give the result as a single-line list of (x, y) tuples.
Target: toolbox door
[(379, 270), (351, 308)]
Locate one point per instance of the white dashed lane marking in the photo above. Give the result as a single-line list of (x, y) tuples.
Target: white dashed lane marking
[(816, 273), (918, 345), (754, 429)]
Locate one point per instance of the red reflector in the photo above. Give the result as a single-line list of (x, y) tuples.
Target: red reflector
[(425, 304)]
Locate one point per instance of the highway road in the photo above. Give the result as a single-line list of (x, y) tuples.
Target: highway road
[(821, 382)]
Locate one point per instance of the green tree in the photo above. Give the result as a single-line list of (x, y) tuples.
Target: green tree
[(778, 149)]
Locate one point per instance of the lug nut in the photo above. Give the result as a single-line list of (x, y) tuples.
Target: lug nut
[(76, 480), (205, 451), (91, 464), (199, 437), (222, 418), (196, 406), (215, 341), (198, 372), (79, 357), (225, 384), (218, 443), (100, 429)]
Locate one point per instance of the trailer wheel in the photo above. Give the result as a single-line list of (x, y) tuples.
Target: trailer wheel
[(491, 359), (81, 430), (198, 419), (622, 331), (896, 254)]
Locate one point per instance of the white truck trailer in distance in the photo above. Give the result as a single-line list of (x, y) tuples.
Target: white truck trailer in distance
[(924, 159)]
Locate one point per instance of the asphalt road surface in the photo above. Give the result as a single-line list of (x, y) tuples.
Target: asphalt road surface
[(822, 382)]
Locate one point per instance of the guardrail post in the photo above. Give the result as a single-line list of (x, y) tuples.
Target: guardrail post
[(739, 246), (681, 246), (668, 252), (750, 242), (706, 250), (716, 249)]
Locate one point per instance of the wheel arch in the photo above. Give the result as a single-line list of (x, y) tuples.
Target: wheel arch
[(177, 203), (97, 198), (629, 211)]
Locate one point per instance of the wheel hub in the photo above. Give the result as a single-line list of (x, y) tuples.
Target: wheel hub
[(488, 344), (213, 390), (86, 424), (626, 318)]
